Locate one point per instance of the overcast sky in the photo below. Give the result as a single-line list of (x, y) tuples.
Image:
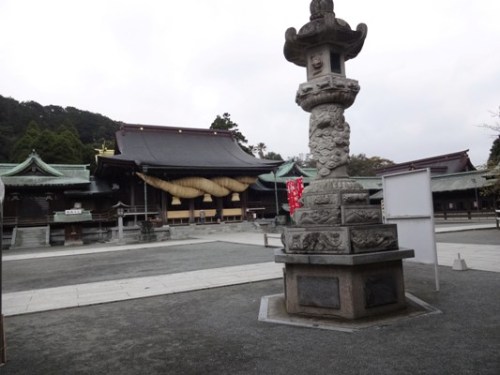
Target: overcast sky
[(429, 70)]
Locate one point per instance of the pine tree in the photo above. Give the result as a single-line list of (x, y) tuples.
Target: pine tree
[(225, 123)]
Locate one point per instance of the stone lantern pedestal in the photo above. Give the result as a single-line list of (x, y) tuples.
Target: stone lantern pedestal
[(340, 259), (349, 286), (350, 270)]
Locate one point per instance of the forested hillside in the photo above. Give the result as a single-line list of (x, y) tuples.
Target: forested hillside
[(59, 135)]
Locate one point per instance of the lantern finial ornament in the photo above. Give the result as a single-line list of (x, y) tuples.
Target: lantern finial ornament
[(319, 8)]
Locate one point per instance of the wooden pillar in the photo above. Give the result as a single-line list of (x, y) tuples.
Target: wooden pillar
[(132, 198), (191, 210), (276, 194), (145, 171), (145, 201), (164, 205), (244, 204), (219, 209)]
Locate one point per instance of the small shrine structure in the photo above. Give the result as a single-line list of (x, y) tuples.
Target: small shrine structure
[(35, 189), (51, 203)]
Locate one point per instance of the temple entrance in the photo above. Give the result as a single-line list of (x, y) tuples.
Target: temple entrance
[(33, 208)]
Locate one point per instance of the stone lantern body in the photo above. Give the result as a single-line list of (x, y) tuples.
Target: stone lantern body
[(340, 259)]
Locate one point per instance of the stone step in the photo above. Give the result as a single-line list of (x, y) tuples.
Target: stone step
[(30, 238)]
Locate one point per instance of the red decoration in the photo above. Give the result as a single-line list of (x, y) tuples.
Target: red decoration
[(294, 189)]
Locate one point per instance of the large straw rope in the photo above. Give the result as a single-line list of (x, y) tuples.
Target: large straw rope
[(192, 187), (175, 190), (230, 184), (200, 183)]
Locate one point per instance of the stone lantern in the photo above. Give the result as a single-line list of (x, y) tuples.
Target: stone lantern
[(120, 213), (340, 260)]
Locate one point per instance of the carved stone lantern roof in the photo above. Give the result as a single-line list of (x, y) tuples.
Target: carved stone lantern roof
[(323, 29)]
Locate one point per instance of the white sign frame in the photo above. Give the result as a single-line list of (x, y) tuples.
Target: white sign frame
[(408, 203)]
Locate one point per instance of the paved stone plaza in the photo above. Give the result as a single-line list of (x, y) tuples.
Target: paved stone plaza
[(202, 313)]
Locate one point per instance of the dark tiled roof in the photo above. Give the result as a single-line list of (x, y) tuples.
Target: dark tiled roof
[(182, 149), (95, 188), (443, 164), (453, 182)]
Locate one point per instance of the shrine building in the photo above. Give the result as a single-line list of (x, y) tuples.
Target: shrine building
[(181, 175)]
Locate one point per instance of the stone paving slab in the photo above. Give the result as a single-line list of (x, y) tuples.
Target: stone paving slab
[(37, 254), (216, 331), (119, 290), (479, 257), (462, 228)]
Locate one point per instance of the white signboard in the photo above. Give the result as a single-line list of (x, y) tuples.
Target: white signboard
[(73, 211), (408, 203)]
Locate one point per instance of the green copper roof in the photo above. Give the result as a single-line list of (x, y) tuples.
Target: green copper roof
[(33, 162), (440, 183), (63, 217), (35, 172), (369, 183), (288, 171), (460, 181), (30, 181), (453, 182)]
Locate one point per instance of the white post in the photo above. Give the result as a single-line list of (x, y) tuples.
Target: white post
[(120, 229)]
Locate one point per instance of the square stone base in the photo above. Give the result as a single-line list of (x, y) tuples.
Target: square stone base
[(349, 292), (272, 310)]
